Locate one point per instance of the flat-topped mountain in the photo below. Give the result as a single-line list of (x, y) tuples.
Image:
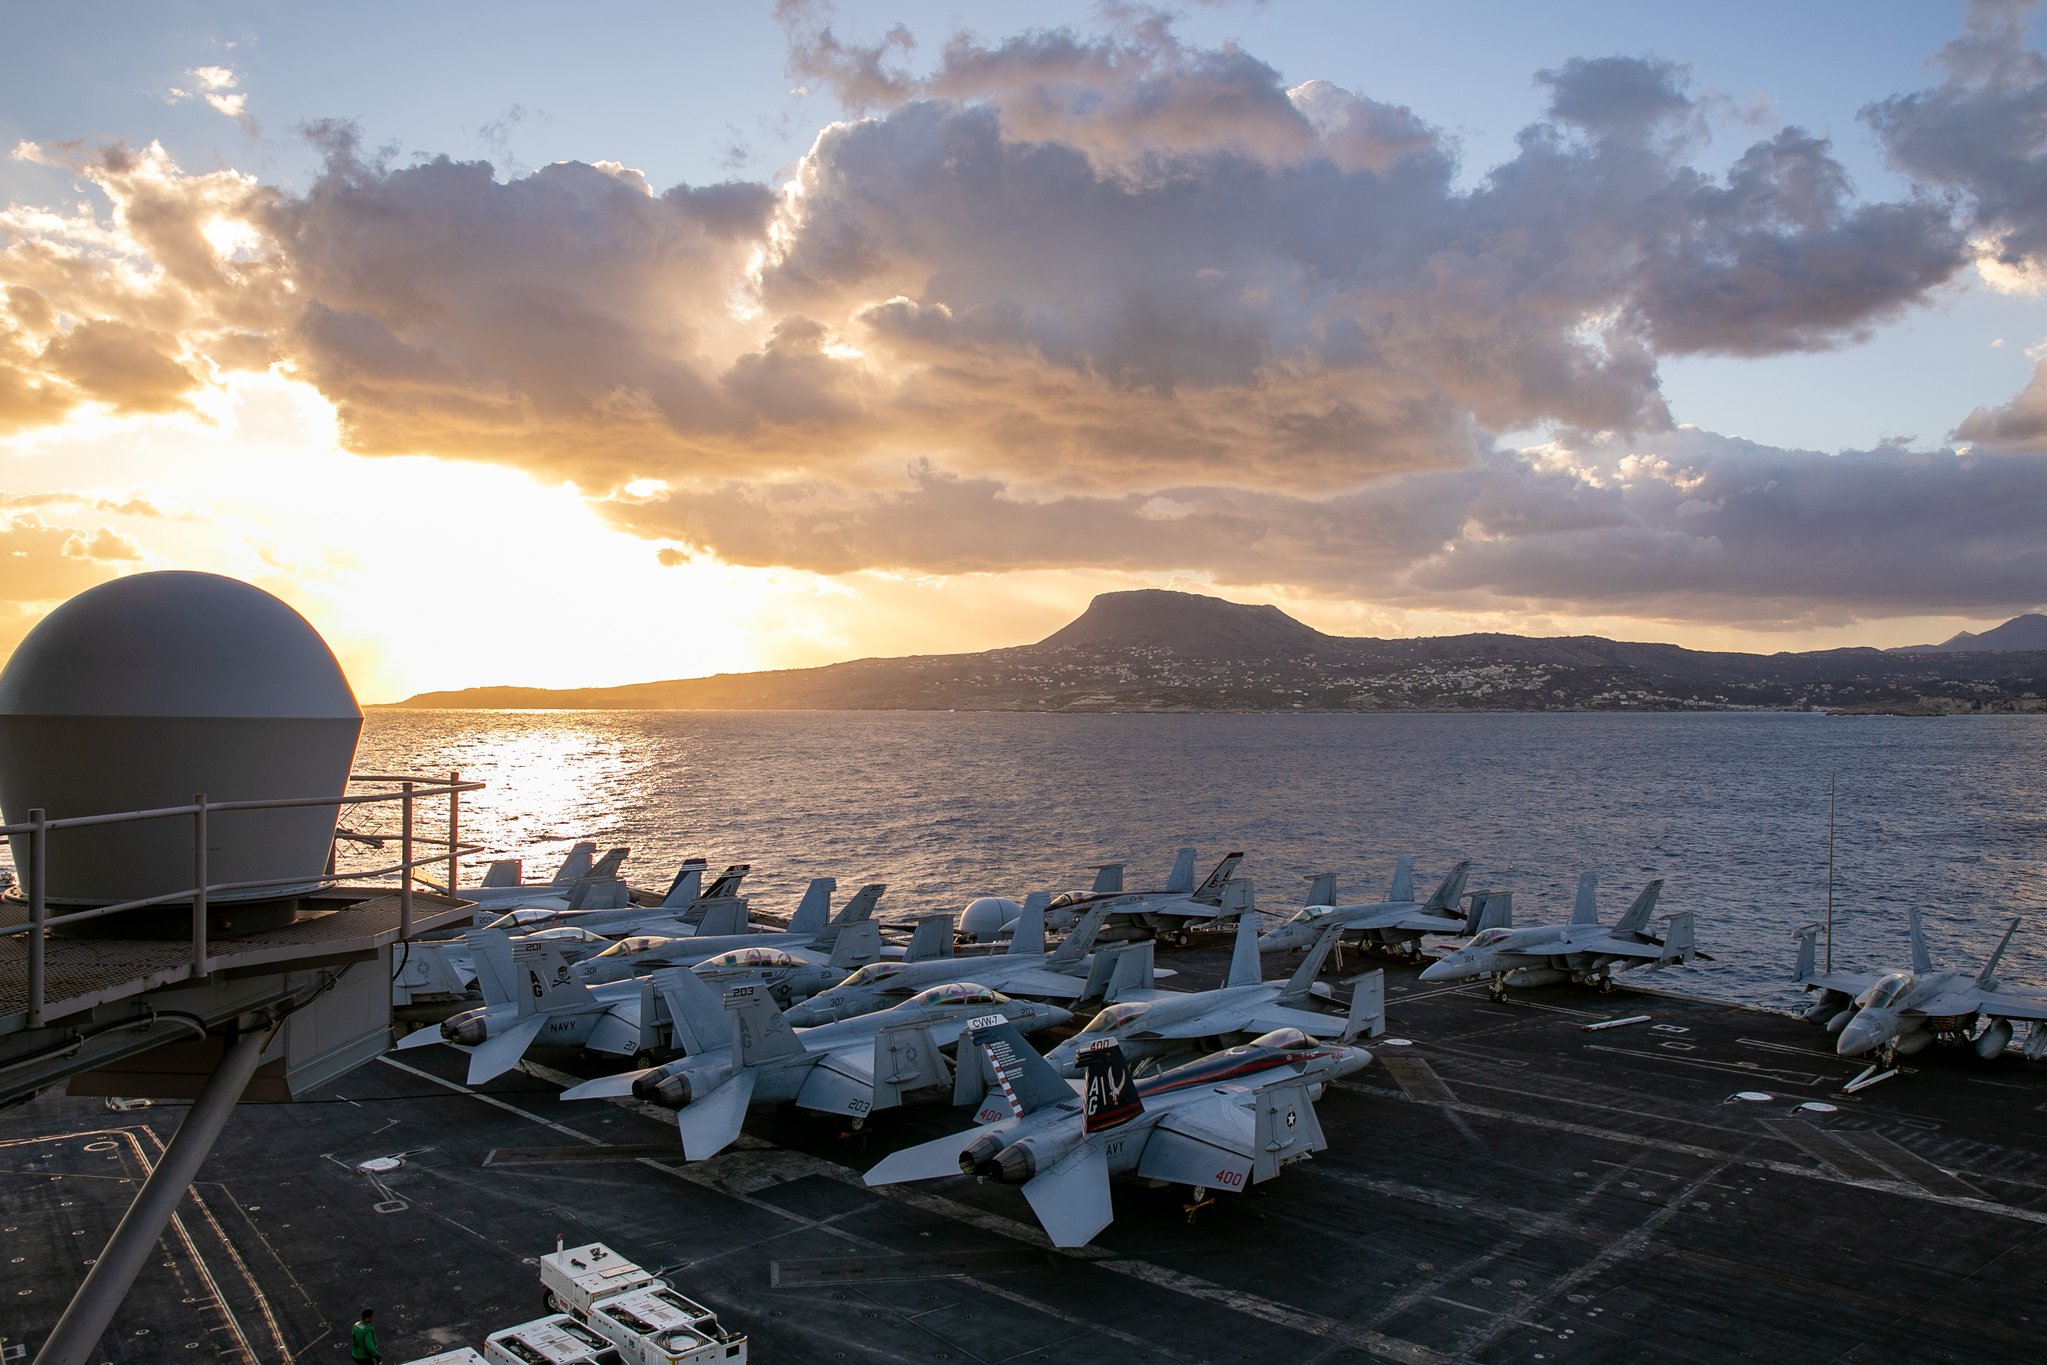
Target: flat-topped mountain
[(1176, 651)]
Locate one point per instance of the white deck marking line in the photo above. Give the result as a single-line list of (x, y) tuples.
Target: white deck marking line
[(1250, 1305), (1757, 1071), (1621, 1248), (1904, 1188), (493, 1100)]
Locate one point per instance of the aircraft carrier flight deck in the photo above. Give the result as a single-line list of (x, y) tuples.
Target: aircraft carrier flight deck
[(1504, 1186)]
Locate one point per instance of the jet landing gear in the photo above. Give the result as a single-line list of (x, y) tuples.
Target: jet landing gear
[(1496, 990), (1198, 1198)]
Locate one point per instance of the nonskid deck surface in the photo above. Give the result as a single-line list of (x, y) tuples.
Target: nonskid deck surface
[(1506, 1187)]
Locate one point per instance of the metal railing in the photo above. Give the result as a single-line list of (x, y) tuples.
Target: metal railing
[(411, 789)]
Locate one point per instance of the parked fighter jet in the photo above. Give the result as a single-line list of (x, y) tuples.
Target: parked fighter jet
[(1394, 922), (1165, 912), (590, 885), (598, 906), (809, 936), (1151, 1023), (1583, 951), (1026, 969), (1895, 1014), (531, 999), (1221, 1123), (851, 1067)]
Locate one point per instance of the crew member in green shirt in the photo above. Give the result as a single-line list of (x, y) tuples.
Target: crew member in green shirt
[(362, 1339)]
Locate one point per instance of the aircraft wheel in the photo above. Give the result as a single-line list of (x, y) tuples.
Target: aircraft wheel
[(643, 1059), (858, 1123)]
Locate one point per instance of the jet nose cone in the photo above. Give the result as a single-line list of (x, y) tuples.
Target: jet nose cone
[(1862, 1034), (1056, 1017), (1445, 970)]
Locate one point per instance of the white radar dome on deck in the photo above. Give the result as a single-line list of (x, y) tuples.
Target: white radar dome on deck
[(140, 693), (988, 918)]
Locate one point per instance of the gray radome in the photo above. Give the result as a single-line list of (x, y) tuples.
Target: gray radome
[(142, 692)]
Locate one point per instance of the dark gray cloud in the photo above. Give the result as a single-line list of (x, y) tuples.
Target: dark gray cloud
[(1982, 132)]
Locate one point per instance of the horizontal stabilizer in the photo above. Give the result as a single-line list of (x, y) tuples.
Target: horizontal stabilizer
[(1071, 1198), (607, 1087), (931, 1160), (709, 1125), (496, 1056), (420, 1037)]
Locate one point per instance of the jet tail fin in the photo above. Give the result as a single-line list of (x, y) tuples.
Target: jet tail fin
[(1211, 890), (1367, 1015), (1321, 889), (1108, 880), (1302, 982), (1025, 1078), (906, 1057), (815, 907), (1076, 945), (1679, 944), (1491, 910), (854, 911), (721, 918), (688, 882), (577, 865), (693, 1010), (1921, 960), (502, 872), (932, 938), (856, 945), (491, 953), (1132, 968), (1180, 881), (1109, 1095), (1403, 879), (1028, 935), (1636, 920), (1987, 978), (760, 1032), (1244, 958), (1808, 937), (543, 979), (728, 881), (1451, 892), (1585, 909)]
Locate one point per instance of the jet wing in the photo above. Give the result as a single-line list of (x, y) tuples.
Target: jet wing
[(926, 1161), (1848, 983), (1071, 1198), (1038, 983), (2008, 1006), (840, 1083), (1311, 1022), (1209, 1144), (618, 1032)]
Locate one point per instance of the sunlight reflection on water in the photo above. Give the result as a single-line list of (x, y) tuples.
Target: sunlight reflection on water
[(1730, 809)]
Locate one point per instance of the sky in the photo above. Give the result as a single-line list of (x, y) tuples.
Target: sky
[(511, 345)]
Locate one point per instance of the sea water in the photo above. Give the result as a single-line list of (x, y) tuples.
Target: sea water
[(1731, 810)]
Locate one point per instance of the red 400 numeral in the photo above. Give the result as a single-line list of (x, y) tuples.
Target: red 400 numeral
[(1233, 1179)]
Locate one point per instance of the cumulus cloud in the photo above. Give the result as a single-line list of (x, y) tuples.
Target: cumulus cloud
[(1112, 300)]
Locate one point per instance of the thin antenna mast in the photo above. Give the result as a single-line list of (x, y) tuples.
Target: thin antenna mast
[(1830, 872)]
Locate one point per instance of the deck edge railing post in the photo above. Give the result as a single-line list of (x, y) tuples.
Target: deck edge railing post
[(405, 872), (454, 828), (199, 879), (38, 910)]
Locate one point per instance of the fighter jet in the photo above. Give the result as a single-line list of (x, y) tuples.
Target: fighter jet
[(809, 936), (1149, 1023), (1026, 969), (1896, 1014), (1583, 951), (580, 882), (530, 999), (852, 1067), (1166, 912), (600, 906), (1394, 922), (1221, 1123)]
